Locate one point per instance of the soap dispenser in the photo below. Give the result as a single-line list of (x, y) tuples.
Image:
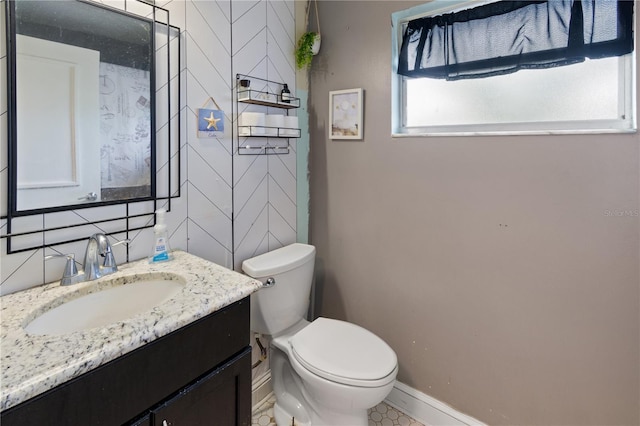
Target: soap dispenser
[(161, 251)]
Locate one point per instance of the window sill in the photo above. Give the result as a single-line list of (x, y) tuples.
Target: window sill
[(513, 130)]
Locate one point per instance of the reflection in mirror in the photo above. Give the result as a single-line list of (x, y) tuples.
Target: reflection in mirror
[(82, 105)]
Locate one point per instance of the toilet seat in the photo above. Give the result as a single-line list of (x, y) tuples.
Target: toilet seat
[(344, 353)]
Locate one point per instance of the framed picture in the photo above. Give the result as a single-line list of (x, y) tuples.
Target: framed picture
[(345, 114), (210, 122)]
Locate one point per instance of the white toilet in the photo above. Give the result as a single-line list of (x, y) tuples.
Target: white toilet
[(326, 372)]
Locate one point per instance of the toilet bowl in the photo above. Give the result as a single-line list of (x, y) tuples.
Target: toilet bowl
[(338, 368), (324, 372)]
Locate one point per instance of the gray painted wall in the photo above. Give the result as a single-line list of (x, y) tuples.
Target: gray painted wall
[(487, 263)]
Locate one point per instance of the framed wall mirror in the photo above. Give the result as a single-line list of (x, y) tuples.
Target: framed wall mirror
[(81, 94)]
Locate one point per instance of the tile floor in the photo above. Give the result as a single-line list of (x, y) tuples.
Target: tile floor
[(380, 415)]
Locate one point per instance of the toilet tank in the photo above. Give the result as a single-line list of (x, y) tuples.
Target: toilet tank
[(276, 308)]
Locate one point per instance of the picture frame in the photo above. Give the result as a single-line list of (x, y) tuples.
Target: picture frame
[(345, 114), (210, 122)]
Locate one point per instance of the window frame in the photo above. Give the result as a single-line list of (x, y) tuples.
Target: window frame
[(399, 21)]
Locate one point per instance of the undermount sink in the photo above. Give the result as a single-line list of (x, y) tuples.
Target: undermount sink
[(116, 300)]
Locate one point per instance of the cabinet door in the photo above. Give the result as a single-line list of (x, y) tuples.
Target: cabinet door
[(221, 398)]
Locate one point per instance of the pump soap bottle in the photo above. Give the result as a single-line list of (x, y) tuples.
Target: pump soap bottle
[(285, 94), (161, 251)]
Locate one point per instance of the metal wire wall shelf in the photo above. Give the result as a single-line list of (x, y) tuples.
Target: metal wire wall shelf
[(256, 97), (258, 139)]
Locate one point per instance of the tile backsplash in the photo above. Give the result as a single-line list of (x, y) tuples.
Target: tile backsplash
[(231, 206)]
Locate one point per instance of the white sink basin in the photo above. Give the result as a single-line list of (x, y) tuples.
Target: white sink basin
[(119, 300)]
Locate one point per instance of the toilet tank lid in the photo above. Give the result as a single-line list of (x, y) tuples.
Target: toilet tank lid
[(278, 261)]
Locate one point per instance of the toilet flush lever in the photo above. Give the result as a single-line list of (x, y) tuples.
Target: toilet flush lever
[(270, 282)]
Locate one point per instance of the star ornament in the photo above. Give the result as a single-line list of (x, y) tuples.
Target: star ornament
[(212, 122)]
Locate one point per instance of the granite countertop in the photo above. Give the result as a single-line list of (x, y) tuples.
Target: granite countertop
[(32, 364)]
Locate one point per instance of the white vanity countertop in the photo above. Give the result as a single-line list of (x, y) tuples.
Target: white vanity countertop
[(30, 365)]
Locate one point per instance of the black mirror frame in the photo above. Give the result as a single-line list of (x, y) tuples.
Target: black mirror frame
[(135, 218), (12, 117)]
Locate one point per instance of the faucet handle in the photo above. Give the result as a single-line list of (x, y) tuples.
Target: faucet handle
[(70, 274), (127, 242), (109, 263)]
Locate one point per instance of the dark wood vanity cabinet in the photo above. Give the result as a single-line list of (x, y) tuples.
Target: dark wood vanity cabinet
[(197, 375), (212, 400)]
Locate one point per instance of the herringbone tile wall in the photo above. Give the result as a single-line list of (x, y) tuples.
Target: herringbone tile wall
[(232, 206), (264, 186)]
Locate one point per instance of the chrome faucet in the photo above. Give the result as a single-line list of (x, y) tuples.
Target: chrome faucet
[(99, 247)]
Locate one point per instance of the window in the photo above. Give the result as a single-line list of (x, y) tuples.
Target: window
[(483, 86)]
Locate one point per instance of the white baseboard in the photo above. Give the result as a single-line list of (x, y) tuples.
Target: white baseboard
[(260, 389), (425, 409)]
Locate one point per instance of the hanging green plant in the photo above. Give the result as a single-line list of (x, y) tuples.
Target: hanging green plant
[(308, 45)]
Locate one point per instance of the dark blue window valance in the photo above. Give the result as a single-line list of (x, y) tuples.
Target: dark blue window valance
[(506, 36)]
